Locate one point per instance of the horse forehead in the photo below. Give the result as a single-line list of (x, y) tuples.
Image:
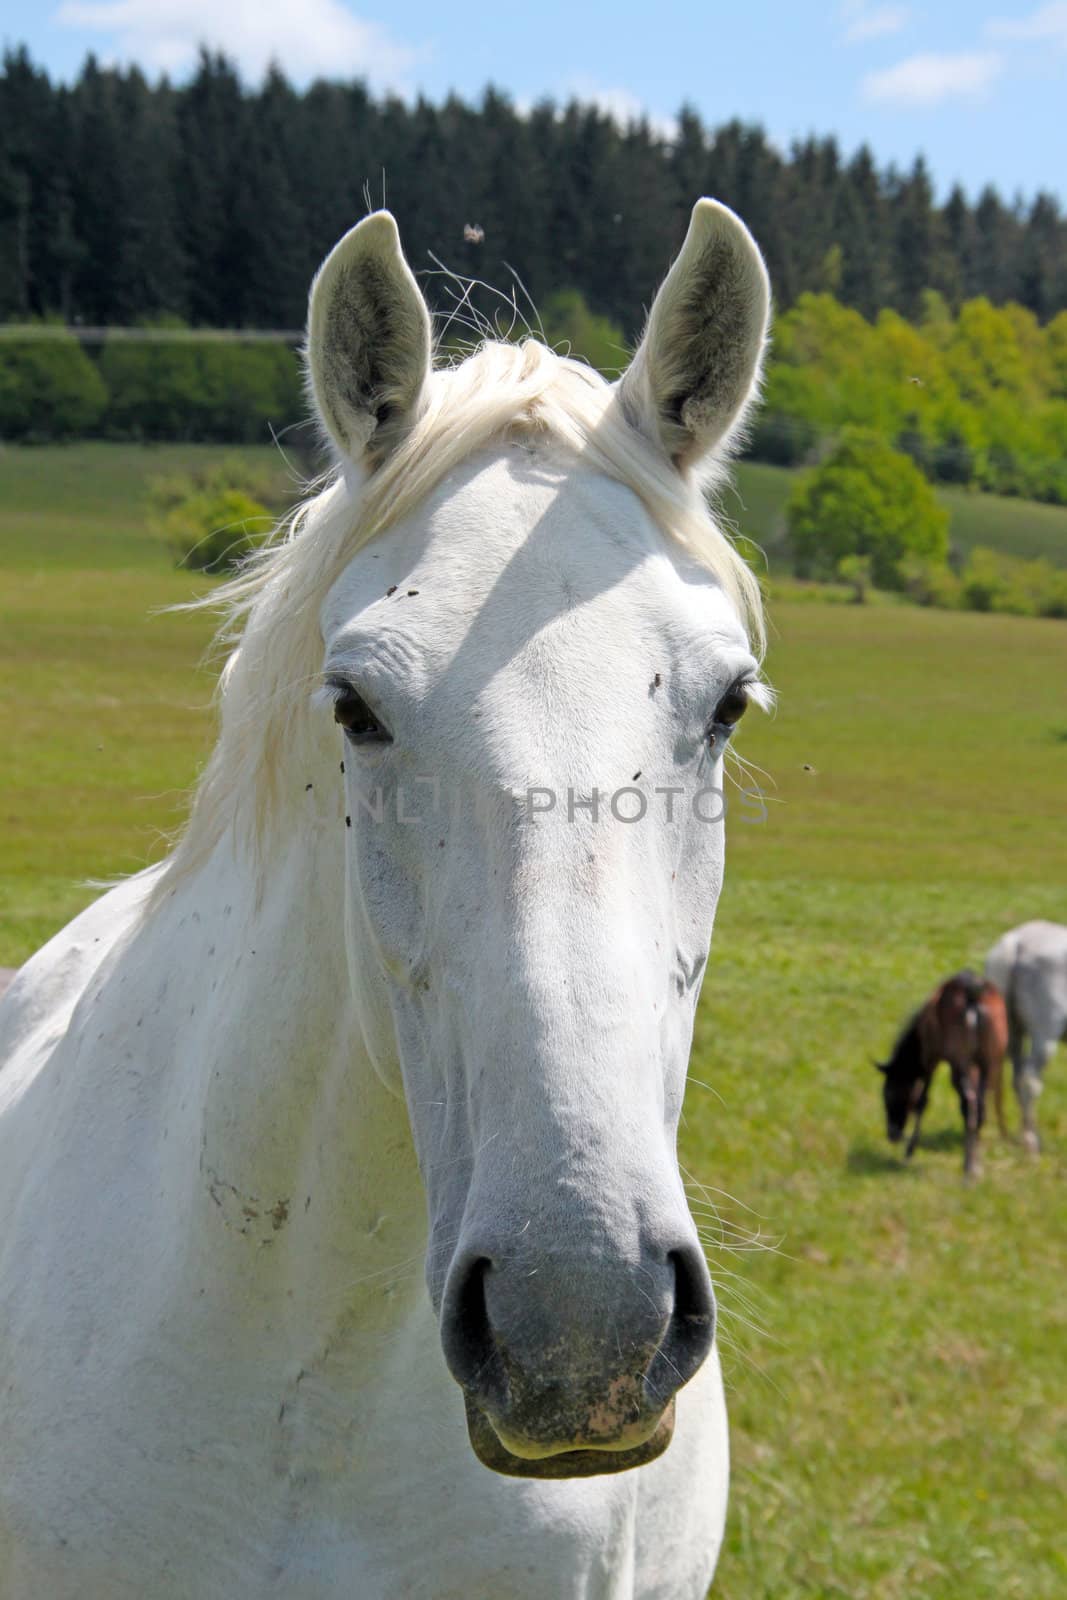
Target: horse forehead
[(498, 500), (526, 554)]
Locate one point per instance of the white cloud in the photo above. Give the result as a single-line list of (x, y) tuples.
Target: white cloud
[(316, 37), (1046, 23), (926, 80), (862, 23), (622, 105)]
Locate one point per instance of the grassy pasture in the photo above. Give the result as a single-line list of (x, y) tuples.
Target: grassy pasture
[(900, 1427), (1023, 528), (85, 506), (897, 1364)]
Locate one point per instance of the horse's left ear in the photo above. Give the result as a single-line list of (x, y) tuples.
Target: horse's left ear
[(880, 1066), (697, 369), (368, 345)]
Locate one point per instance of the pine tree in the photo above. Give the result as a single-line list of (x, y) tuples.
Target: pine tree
[(1043, 258), (211, 115), (995, 241), (916, 239), (149, 264), (267, 227)]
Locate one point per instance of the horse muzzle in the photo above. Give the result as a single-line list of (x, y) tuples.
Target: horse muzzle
[(575, 1374)]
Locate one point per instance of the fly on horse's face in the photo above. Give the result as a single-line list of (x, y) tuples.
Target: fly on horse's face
[(527, 940)]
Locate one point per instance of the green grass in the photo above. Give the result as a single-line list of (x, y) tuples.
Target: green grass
[(105, 723), (1016, 527), (86, 505), (104, 711), (899, 1426)]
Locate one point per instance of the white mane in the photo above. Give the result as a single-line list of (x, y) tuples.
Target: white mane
[(271, 609)]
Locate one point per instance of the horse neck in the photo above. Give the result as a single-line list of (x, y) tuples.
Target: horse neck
[(306, 1179)]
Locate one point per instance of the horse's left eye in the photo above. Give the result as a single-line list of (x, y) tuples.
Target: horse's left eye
[(733, 705), (359, 721), (728, 713)]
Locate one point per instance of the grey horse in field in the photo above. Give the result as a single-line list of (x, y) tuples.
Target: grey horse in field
[(1029, 967)]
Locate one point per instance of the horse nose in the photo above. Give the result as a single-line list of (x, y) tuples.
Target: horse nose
[(560, 1355), (691, 1330)]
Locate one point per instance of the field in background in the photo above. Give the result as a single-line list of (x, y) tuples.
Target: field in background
[(86, 506), (1022, 528), (900, 1422), (90, 501), (900, 1427)]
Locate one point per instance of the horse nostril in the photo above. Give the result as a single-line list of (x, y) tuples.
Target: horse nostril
[(466, 1336), (691, 1330)]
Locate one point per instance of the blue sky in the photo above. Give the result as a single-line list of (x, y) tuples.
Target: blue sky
[(977, 85)]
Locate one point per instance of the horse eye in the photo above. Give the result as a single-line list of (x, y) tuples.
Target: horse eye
[(728, 713), (359, 721), (732, 706)]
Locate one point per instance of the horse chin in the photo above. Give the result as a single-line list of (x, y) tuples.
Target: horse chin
[(586, 1462)]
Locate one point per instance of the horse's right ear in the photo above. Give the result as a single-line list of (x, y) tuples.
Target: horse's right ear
[(368, 344), (880, 1066)]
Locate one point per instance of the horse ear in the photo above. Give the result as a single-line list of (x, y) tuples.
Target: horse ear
[(697, 369), (880, 1066), (368, 344)]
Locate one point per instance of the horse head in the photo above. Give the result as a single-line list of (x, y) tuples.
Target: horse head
[(536, 651)]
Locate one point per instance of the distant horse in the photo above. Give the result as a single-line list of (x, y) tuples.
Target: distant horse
[(1029, 966), (344, 1248), (964, 1022)]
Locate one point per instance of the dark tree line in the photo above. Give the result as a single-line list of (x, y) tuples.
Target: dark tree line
[(121, 200)]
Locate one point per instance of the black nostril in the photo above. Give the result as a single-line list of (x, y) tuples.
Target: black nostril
[(691, 1330), (466, 1336), (693, 1324)]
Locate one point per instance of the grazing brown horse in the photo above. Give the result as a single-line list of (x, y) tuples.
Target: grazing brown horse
[(965, 1023)]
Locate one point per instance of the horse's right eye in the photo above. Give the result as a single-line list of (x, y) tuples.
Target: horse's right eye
[(358, 720)]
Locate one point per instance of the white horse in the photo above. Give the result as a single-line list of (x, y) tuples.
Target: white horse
[(1029, 967), (421, 1026)]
